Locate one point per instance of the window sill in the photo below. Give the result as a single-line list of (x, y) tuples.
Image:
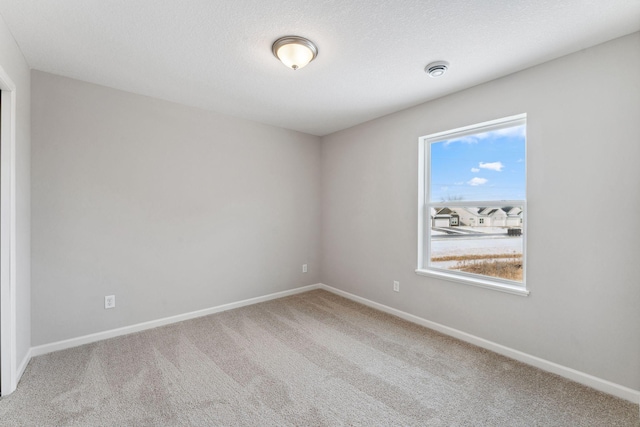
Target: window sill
[(487, 284)]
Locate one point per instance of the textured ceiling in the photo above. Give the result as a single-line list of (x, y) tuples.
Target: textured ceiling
[(216, 54)]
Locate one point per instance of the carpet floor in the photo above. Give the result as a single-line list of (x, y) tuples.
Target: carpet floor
[(313, 359)]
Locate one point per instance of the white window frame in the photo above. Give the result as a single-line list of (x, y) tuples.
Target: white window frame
[(424, 206)]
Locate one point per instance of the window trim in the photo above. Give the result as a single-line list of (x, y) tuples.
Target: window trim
[(424, 205)]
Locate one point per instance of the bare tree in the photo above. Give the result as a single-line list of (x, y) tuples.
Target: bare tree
[(451, 198)]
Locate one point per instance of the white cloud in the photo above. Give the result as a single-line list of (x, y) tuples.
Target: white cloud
[(475, 181), (475, 170), (471, 139), (459, 183), (513, 131), (495, 166), (516, 131)]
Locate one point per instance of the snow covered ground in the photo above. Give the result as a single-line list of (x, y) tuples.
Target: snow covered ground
[(476, 246), (482, 229)]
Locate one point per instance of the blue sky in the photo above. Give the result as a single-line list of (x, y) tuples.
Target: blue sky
[(484, 166)]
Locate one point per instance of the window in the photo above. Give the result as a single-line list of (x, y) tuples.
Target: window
[(477, 175)]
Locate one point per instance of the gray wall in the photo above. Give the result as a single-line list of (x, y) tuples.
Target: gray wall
[(583, 153), (170, 208), (175, 209), (16, 67)]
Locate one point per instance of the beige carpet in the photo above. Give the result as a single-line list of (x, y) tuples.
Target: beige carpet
[(312, 359)]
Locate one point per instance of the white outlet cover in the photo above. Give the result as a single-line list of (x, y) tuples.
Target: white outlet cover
[(110, 301)]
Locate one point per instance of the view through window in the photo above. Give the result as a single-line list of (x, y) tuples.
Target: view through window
[(474, 202)]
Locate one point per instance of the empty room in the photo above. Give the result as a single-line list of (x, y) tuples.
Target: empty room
[(314, 213)]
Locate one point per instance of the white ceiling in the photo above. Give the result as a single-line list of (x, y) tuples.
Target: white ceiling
[(216, 54)]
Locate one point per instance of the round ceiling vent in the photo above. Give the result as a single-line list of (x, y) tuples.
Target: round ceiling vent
[(436, 69)]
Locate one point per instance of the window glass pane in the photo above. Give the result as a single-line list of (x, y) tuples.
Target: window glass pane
[(482, 166), (484, 240), (473, 203)]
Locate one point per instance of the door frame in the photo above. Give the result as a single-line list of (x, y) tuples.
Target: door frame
[(8, 357)]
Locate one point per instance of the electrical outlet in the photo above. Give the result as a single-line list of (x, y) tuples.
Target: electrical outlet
[(110, 301), (304, 268), (396, 286)]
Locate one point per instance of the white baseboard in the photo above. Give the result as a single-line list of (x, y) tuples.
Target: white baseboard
[(99, 336), (569, 373), (23, 364)]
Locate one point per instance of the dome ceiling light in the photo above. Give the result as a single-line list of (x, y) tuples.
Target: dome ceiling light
[(436, 69), (294, 52)]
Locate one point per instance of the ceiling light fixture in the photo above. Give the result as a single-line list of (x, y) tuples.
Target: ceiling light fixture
[(436, 69), (294, 52)]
